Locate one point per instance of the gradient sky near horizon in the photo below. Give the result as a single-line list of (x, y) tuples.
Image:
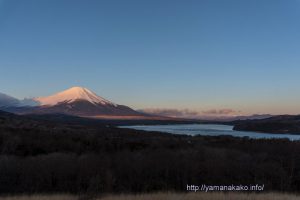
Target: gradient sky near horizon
[(196, 54)]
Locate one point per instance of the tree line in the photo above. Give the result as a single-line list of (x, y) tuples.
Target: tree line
[(41, 158)]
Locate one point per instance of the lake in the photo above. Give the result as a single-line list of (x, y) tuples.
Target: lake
[(209, 130)]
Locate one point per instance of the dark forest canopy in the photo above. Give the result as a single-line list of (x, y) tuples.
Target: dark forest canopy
[(289, 124), (40, 156)]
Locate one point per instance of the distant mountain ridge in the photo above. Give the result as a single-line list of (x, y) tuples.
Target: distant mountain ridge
[(76, 101), (82, 102), (282, 124), (8, 101)]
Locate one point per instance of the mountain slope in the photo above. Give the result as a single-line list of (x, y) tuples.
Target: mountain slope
[(7, 101), (71, 95), (85, 108), (77, 101)]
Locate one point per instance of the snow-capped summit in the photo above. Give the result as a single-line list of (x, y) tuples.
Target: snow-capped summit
[(71, 95), (77, 101)]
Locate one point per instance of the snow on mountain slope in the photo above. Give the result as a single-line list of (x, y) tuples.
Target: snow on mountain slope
[(76, 101), (71, 95)]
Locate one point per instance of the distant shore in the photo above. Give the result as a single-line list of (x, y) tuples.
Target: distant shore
[(284, 124)]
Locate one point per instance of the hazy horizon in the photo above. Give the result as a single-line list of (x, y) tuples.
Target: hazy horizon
[(195, 57)]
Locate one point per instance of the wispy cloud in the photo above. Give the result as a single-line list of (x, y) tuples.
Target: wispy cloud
[(170, 112), (225, 111), (187, 113)]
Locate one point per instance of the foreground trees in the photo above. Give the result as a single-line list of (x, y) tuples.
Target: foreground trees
[(39, 158)]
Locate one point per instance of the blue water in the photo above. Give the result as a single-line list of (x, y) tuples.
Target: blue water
[(208, 129)]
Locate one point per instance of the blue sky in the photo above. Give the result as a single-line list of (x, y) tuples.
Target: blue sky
[(195, 54)]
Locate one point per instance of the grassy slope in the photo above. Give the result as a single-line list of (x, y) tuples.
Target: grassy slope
[(169, 196)]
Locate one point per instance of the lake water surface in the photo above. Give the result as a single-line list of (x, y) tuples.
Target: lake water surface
[(208, 129)]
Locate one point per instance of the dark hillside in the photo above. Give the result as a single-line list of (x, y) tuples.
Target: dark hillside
[(39, 156), (278, 124)]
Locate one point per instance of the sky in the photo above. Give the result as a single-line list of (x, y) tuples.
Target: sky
[(205, 56)]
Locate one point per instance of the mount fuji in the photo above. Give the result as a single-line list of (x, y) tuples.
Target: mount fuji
[(71, 95), (77, 101)]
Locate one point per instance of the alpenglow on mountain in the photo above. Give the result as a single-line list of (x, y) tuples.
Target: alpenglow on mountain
[(71, 95), (76, 101)]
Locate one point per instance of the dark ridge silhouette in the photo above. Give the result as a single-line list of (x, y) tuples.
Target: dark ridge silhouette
[(289, 124), (44, 156)]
